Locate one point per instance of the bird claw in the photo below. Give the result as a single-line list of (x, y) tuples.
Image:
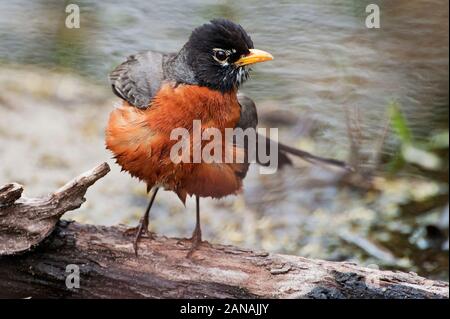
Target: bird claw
[(194, 247), (139, 232), (196, 243), (132, 231)]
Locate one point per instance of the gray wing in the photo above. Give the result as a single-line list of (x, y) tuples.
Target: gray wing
[(249, 116), (249, 119), (139, 78)]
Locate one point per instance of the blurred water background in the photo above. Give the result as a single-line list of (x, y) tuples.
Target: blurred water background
[(376, 98)]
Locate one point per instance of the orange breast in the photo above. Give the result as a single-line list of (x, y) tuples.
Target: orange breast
[(140, 140)]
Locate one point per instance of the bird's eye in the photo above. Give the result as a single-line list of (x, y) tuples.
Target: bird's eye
[(220, 55)]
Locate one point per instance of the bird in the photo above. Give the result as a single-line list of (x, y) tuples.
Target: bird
[(163, 91)]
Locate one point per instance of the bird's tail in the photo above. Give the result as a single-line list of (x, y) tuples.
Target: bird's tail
[(284, 150)]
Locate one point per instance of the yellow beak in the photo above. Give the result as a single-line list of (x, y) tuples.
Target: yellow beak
[(255, 56)]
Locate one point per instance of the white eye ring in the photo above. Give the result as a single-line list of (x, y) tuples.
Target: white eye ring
[(221, 55)]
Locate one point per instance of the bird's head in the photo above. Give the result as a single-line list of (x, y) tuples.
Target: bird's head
[(219, 54)]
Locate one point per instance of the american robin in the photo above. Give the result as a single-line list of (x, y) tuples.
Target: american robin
[(162, 92)]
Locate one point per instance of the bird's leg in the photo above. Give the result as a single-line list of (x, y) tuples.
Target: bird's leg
[(143, 223), (196, 238)]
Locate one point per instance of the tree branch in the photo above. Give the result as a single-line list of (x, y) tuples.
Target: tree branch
[(36, 248), (25, 222)]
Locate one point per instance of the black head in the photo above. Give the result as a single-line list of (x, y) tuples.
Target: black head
[(218, 53)]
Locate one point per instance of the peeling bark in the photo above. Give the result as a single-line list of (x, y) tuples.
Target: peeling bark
[(109, 269), (25, 222), (36, 248)]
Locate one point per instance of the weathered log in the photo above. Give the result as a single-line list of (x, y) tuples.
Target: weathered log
[(25, 222), (36, 265)]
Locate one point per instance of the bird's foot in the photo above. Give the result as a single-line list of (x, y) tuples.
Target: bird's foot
[(139, 232), (132, 231), (196, 243)]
